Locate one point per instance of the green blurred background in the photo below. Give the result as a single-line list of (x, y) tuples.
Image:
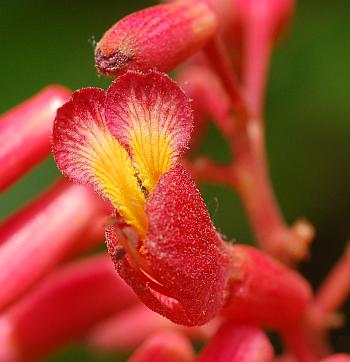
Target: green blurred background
[(308, 115)]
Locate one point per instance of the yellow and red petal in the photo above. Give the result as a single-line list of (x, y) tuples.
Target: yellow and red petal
[(151, 116), (86, 152), (187, 260)]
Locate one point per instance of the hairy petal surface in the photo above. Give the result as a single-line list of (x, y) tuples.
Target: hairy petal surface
[(159, 37), (187, 259), (183, 247), (86, 152), (152, 117)]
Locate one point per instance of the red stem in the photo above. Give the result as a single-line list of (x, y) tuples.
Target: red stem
[(328, 299), (272, 233), (251, 178), (257, 51), (220, 62), (204, 169), (336, 287), (298, 345)]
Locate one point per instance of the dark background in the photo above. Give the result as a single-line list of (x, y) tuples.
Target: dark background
[(308, 115)]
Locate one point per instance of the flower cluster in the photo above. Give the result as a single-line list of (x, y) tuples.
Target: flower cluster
[(128, 146)]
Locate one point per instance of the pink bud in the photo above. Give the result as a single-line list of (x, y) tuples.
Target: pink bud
[(127, 330), (25, 133), (341, 357), (61, 308), (277, 13), (65, 220), (208, 97), (258, 24), (264, 291), (158, 37), (165, 346), (238, 343)]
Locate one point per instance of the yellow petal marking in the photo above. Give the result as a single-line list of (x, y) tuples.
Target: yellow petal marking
[(115, 175), (150, 142)]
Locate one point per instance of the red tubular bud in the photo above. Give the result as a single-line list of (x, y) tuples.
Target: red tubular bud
[(159, 37), (238, 343), (65, 220), (341, 357), (263, 291), (276, 13), (25, 133), (260, 22), (208, 98), (61, 308), (335, 289), (126, 330), (165, 346)]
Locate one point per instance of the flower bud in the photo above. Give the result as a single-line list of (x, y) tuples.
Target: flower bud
[(276, 13), (341, 357), (158, 37), (164, 346), (128, 329), (62, 308), (238, 343), (65, 220), (25, 133), (264, 291)]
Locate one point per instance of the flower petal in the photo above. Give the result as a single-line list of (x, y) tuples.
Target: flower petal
[(184, 250), (186, 259), (86, 152), (151, 116), (167, 307)]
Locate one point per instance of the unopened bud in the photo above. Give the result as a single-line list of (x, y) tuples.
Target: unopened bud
[(158, 37), (276, 12)]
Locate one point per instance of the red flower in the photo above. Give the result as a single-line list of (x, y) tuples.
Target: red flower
[(125, 143)]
